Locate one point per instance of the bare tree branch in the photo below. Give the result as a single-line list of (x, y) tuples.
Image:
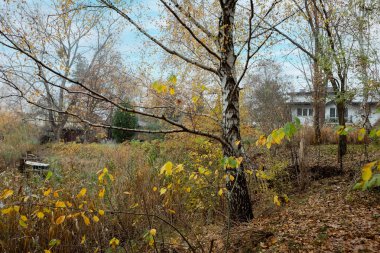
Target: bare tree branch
[(151, 115), (189, 30), (170, 51)]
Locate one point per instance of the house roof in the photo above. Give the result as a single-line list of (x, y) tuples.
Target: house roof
[(304, 97)]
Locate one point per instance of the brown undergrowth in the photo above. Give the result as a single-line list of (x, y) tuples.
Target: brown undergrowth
[(328, 217)]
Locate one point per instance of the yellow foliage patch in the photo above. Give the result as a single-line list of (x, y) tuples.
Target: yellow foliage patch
[(60, 219)]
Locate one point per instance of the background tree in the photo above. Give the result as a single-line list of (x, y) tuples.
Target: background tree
[(123, 119), (337, 46), (265, 96), (59, 38)]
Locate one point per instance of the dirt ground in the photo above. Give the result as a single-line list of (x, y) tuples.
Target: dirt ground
[(327, 217)]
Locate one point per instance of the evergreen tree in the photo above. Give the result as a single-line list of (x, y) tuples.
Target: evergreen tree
[(126, 120)]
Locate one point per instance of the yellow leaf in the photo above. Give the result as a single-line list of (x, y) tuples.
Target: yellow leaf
[(276, 200), (47, 192), (172, 91), (237, 143), (16, 208), (220, 192), (7, 210), (232, 178), (179, 168), (101, 212), (60, 204), (134, 205), (261, 141), (188, 189), (250, 172), (171, 211), (22, 223), (378, 133), (114, 242), (127, 193), (278, 135), (101, 178), (153, 232), (60, 219), (55, 194), (239, 160), (361, 134), (6, 194), (154, 188), (82, 193), (163, 191), (23, 218), (167, 169), (47, 251), (83, 239), (95, 218), (101, 192), (85, 219), (40, 215), (367, 171)]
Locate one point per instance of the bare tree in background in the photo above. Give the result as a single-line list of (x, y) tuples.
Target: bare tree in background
[(265, 95)]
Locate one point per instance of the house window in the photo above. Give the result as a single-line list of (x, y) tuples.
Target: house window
[(304, 112), (332, 113)]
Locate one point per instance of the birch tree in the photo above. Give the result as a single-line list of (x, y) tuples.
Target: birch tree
[(227, 49)]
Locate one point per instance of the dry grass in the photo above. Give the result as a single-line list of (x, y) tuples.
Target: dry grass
[(132, 206)]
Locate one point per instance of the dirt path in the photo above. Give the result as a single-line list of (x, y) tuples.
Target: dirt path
[(326, 218)]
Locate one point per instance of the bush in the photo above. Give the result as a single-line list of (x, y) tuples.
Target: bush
[(126, 120)]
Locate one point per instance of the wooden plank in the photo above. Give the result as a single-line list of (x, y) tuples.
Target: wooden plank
[(36, 164)]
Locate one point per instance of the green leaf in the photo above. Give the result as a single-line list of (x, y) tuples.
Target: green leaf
[(377, 183), (297, 121), (49, 175), (372, 134), (358, 186), (365, 186), (372, 182), (54, 242), (232, 162), (341, 130), (289, 130)]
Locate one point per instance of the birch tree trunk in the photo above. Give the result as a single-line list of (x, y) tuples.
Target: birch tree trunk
[(239, 200)]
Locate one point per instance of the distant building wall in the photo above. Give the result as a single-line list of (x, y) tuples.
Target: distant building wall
[(353, 114)]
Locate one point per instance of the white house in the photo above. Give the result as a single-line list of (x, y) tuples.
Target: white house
[(301, 106)]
